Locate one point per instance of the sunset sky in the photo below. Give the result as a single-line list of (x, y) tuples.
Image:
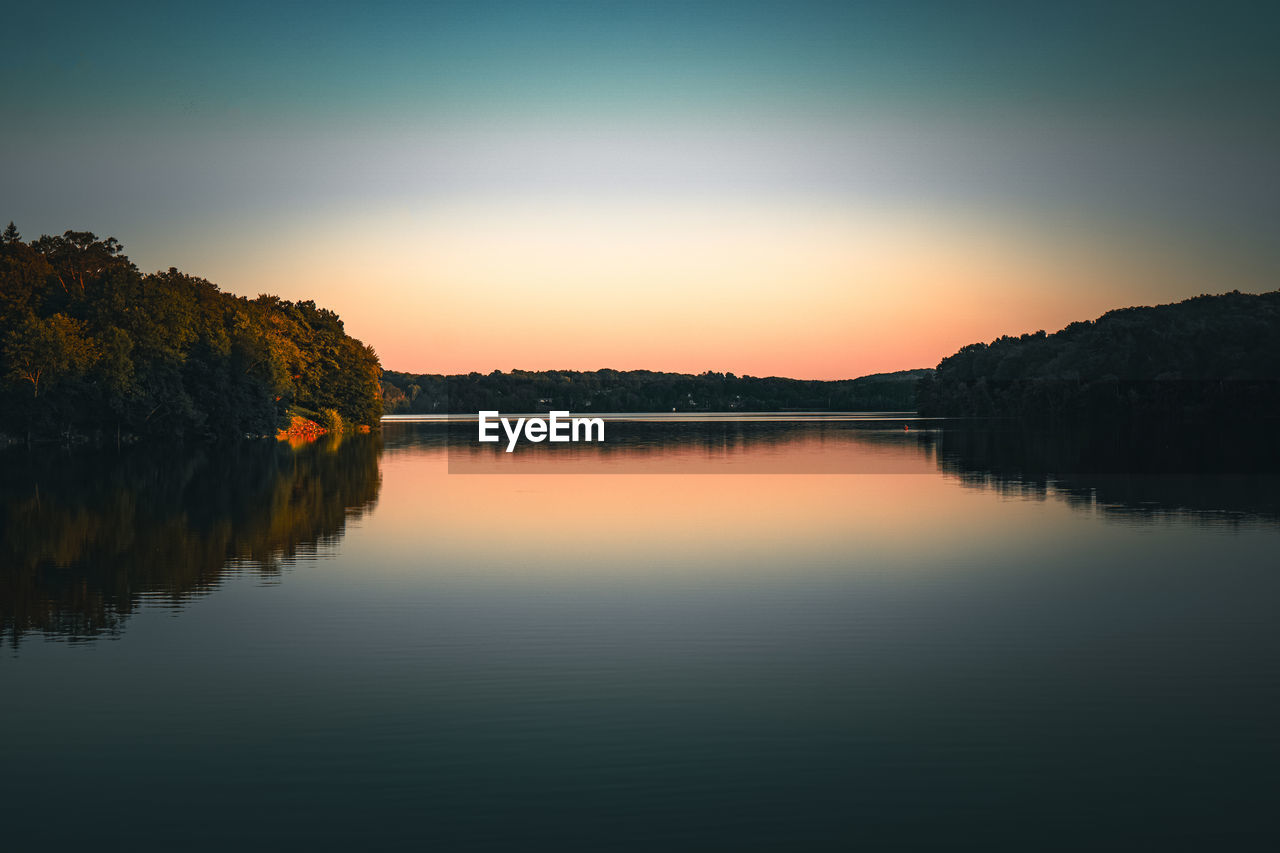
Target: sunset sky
[(819, 190)]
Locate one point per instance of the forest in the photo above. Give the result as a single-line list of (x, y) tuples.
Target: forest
[(1188, 361), (90, 347), (641, 391)]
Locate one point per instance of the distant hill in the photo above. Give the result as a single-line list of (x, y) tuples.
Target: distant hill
[(1190, 359), (642, 391), (896, 376)]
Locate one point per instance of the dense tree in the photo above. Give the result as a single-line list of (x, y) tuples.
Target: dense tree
[(1193, 359), (641, 391), (46, 352), (89, 344)]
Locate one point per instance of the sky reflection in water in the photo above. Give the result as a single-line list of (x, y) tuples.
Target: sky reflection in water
[(355, 645)]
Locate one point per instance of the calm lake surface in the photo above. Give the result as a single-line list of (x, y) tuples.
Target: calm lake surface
[(703, 634)]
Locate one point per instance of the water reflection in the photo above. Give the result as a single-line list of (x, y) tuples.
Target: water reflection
[(1209, 476), (1199, 474), (680, 446), (86, 537), (763, 661)]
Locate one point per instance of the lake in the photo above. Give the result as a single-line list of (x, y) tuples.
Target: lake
[(783, 632)]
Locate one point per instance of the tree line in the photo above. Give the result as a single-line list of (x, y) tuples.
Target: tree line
[(91, 346), (1187, 361), (640, 391)]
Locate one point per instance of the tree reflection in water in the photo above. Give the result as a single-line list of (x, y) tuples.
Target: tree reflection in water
[(1209, 474), (85, 537)]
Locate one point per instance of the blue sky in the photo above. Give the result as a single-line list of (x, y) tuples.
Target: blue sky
[(236, 141)]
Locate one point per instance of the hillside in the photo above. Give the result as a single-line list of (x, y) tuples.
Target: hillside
[(641, 391), (1192, 359), (89, 345)]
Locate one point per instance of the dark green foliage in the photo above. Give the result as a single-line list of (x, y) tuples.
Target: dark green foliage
[(91, 346), (331, 420), (640, 391), (1189, 360)]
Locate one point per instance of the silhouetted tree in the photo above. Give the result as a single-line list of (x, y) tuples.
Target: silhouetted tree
[(1193, 359)]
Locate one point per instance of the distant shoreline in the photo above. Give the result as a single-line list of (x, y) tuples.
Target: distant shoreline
[(677, 417)]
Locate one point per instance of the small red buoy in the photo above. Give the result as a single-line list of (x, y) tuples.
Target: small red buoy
[(905, 428)]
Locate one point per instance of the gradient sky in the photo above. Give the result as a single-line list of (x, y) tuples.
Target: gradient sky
[(807, 189)]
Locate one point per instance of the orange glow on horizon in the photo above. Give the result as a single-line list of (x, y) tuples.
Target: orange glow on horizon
[(717, 520), (803, 291)]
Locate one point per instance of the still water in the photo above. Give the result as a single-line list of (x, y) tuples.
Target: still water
[(733, 634)]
